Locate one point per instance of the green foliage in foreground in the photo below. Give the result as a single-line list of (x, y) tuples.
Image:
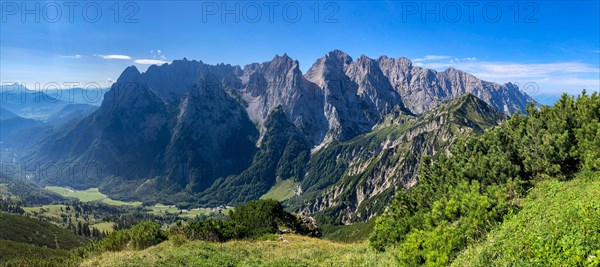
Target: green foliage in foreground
[(140, 236), (294, 251), (250, 220), (38, 233), (29, 242), (21, 254), (461, 197), (348, 233), (559, 225), (254, 220)]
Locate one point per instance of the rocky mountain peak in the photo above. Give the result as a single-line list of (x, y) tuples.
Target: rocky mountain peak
[(456, 73), (423, 89), (390, 64), (130, 74), (280, 83), (338, 53), (364, 64), (339, 56), (279, 66), (329, 66), (282, 65)]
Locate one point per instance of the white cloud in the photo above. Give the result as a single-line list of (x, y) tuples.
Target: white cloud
[(115, 57), (73, 56), (431, 57), (150, 61), (157, 54), (508, 69)]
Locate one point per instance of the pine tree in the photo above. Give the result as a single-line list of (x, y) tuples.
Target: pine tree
[(79, 229)]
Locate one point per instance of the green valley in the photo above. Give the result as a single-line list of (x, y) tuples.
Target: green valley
[(282, 190), (89, 195)]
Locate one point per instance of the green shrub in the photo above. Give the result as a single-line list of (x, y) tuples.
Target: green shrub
[(177, 239), (146, 234), (559, 225), (460, 197), (257, 218), (115, 241), (210, 230), (254, 220), (140, 236)]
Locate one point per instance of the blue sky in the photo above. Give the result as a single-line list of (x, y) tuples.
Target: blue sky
[(552, 45)]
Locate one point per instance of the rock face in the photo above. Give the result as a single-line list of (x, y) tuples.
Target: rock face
[(423, 89), (278, 83), (283, 153), (356, 94), (226, 133), (353, 181), (212, 137), (190, 129)]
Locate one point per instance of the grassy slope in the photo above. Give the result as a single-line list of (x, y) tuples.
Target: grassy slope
[(299, 251), (28, 230), (54, 214), (4, 193), (559, 225), (22, 237), (51, 212), (282, 190), (160, 209), (12, 250), (89, 195), (348, 233)]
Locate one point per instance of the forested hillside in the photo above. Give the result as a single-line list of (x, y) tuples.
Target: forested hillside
[(23, 239), (461, 197)]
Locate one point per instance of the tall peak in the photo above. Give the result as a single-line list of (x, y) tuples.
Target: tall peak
[(366, 62), (284, 57), (339, 55), (130, 73)]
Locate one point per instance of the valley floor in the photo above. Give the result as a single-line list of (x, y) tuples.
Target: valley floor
[(294, 251)]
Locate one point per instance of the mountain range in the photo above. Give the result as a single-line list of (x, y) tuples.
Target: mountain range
[(348, 132), (40, 103)]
